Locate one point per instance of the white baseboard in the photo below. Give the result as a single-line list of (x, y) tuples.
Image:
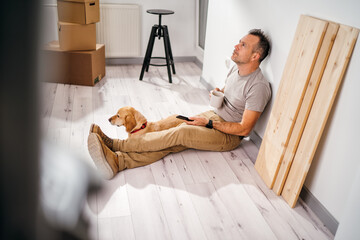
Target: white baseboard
[(320, 211), (206, 84), (198, 63)]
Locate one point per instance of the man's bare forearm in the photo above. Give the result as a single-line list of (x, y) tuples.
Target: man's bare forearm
[(231, 128)]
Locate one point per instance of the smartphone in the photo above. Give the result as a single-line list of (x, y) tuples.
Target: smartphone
[(184, 118)]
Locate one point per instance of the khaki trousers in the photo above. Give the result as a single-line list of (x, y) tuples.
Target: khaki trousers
[(153, 146)]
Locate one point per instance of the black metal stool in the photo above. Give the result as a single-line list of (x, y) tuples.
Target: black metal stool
[(159, 31)]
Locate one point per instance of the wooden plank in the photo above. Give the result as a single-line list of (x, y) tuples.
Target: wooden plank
[(48, 93), (306, 106), (214, 216), (279, 225), (112, 199), (59, 124), (302, 222), (297, 72), (179, 210), (330, 82), (147, 213), (61, 115), (190, 167), (82, 117), (238, 203), (184, 169), (116, 228)]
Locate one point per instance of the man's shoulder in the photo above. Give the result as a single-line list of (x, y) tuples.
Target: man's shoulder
[(259, 81), (260, 78)]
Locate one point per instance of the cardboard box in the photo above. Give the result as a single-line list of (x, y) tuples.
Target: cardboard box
[(76, 67), (78, 11), (73, 36)]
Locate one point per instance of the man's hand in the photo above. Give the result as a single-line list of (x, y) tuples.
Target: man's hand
[(216, 89), (198, 121), (241, 129)]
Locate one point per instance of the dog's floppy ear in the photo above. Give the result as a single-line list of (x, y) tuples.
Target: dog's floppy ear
[(139, 118), (130, 122)]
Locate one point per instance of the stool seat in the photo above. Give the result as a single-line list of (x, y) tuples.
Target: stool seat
[(160, 31), (160, 11)]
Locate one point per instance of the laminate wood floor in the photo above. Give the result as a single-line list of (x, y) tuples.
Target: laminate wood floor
[(188, 195)]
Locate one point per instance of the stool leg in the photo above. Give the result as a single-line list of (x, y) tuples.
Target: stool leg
[(156, 33), (148, 52), (167, 53), (170, 52)]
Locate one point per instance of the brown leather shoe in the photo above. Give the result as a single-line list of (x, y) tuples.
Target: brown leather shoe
[(105, 160), (96, 129)]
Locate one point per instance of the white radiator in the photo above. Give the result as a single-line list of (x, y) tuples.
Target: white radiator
[(119, 30)]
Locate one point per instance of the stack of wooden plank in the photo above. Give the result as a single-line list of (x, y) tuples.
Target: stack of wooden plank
[(316, 64)]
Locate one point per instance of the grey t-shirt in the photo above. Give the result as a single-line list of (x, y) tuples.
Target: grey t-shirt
[(251, 92)]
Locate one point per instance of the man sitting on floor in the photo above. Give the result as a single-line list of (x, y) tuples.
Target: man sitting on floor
[(246, 93)]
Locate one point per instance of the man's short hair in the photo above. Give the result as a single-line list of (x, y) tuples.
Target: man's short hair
[(263, 47)]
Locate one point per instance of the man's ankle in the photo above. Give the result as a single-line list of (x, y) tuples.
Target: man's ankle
[(116, 145)]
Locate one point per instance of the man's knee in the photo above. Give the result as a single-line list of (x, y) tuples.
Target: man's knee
[(185, 132)]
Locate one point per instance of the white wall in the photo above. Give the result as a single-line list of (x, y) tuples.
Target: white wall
[(337, 158), (181, 25), (348, 228)]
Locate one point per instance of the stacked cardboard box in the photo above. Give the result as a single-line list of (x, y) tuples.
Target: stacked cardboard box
[(74, 67), (75, 58)]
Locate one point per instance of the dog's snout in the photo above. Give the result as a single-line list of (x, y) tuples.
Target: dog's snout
[(110, 120)]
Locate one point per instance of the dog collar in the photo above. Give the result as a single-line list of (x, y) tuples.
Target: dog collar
[(142, 127)]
